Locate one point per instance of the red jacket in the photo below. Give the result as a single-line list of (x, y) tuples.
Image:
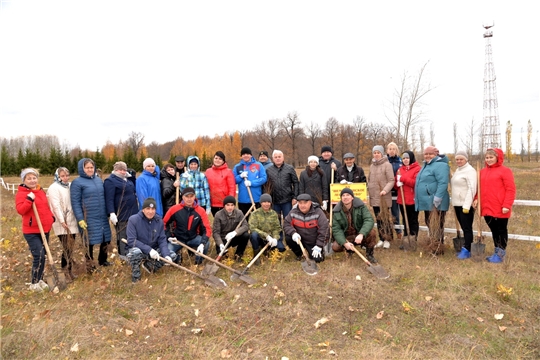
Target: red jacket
[(497, 188), (408, 178), (188, 222), (25, 209), (221, 182)]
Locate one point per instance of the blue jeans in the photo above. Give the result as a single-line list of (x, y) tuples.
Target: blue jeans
[(194, 244), (257, 242), (282, 209), (38, 253), (395, 214)]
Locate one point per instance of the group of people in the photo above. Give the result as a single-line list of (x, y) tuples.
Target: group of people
[(274, 206)]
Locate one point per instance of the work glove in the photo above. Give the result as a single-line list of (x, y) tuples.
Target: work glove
[(398, 178), (343, 181), (399, 184), (244, 174), (168, 258), (154, 254), (324, 205), (437, 201), (221, 248), (113, 218), (200, 249), (31, 196), (172, 240), (296, 238), (271, 241), (465, 211), (208, 210), (316, 252), (185, 175), (230, 235), (247, 183), (83, 225), (359, 239)]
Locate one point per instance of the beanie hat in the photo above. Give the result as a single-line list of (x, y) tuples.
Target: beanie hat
[(265, 198), (410, 155), (27, 171), (263, 152), (431, 149), (346, 191), (245, 150), (313, 158), (229, 200), (148, 161), (463, 153), (188, 190), (378, 148), (119, 165), (326, 148), (149, 203), (220, 154)]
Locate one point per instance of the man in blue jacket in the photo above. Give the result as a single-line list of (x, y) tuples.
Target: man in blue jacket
[(249, 173), (146, 241)]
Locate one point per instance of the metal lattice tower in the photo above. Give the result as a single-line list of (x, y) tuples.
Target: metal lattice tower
[(491, 130)]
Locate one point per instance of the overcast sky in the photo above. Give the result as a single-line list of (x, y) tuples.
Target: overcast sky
[(93, 71)]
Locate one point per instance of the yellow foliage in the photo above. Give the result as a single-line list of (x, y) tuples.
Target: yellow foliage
[(503, 291)]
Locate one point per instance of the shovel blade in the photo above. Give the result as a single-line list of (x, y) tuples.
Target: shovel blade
[(478, 248), (245, 278), (215, 282), (310, 267), (56, 280), (378, 271), (210, 269), (458, 243)]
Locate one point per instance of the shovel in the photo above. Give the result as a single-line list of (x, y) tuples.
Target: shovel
[(376, 270), (407, 245), (57, 279), (309, 266), (236, 276), (478, 248), (459, 241), (246, 278), (328, 246)]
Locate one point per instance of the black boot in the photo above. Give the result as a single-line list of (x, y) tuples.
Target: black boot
[(369, 255), (255, 252)]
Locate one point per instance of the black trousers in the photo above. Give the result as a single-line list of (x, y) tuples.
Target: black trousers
[(466, 223), (412, 217), (499, 230)]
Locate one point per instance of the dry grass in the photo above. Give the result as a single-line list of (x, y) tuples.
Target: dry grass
[(430, 308)]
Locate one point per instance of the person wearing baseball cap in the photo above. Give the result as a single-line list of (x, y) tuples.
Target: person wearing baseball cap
[(147, 242), (180, 163)]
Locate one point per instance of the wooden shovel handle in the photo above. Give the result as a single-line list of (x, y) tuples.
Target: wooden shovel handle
[(43, 237), (235, 229), (177, 189)]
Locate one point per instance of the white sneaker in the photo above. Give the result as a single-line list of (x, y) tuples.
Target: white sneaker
[(386, 244), (43, 285), (379, 244), (35, 287)]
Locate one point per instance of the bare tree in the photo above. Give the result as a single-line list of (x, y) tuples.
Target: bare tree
[(269, 132), (330, 131), (358, 126), (529, 139), (455, 138), (431, 134), (135, 141), (291, 127), (313, 133), (509, 141), (469, 138), (422, 138)]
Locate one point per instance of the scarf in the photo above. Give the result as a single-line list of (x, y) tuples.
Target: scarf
[(57, 177)]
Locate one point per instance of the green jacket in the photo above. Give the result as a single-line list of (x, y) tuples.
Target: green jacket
[(265, 223), (363, 221)]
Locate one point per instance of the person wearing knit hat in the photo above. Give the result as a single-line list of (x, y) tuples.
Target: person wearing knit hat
[(230, 229), (120, 203), (148, 185), (353, 225), (405, 181), (245, 150), (146, 241), (220, 181), (263, 158), (328, 162), (378, 148), (350, 172), (197, 180), (249, 173), (313, 181), (464, 186), (265, 227)]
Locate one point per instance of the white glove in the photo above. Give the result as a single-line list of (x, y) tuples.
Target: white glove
[(244, 174), (154, 254), (359, 238), (185, 175), (324, 205), (343, 181), (296, 238), (247, 183), (168, 258), (221, 248), (172, 240), (398, 178), (316, 252), (31, 196), (176, 183), (399, 184), (272, 241), (113, 218), (437, 201), (208, 210), (349, 182), (230, 235), (200, 249)]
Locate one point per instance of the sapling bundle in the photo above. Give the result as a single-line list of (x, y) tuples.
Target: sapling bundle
[(436, 232), (386, 222)]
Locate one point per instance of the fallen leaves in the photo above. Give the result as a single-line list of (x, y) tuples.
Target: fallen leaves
[(502, 328), (358, 277), (428, 298), (406, 307), (498, 316), (504, 292), (196, 330), (380, 314), (225, 353), (321, 322), (74, 348)]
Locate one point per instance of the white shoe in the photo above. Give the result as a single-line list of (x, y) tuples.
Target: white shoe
[(386, 244), (43, 285), (379, 244), (35, 287)]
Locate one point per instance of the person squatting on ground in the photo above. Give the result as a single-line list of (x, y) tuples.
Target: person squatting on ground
[(168, 186), (265, 226), (252, 174), (148, 185), (147, 241), (224, 228), (313, 182), (88, 203), (190, 225), (497, 195), (380, 184), (350, 172), (392, 152), (30, 192), (308, 224), (196, 179), (464, 186), (431, 194), (221, 182), (121, 203), (65, 225), (352, 225), (405, 181)]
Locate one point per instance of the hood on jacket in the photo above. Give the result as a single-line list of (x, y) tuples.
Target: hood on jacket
[(357, 202), (80, 168), (193, 157), (500, 157), (412, 158), (163, 174)]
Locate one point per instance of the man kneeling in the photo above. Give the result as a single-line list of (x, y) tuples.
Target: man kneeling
[(146, 240), (352, 225), (226, 228)]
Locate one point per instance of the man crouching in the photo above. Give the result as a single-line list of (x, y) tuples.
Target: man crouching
[(146, 241), (352, 225)]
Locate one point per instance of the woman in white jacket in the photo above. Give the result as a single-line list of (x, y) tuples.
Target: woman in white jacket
[(65, 225), (464, 185)]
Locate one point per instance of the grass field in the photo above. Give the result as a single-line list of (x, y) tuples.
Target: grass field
[(429, 308)]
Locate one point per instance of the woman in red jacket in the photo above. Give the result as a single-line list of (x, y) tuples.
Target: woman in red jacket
[(29, 193), (220, 181), (497, 195), (405, 181)]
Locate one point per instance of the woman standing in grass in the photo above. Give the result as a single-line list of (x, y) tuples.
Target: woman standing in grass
[(497, 195), (313, 182), (405, 181), (65, 226), (28, 194)]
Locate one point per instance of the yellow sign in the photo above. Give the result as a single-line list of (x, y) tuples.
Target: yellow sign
[(359, 190)]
